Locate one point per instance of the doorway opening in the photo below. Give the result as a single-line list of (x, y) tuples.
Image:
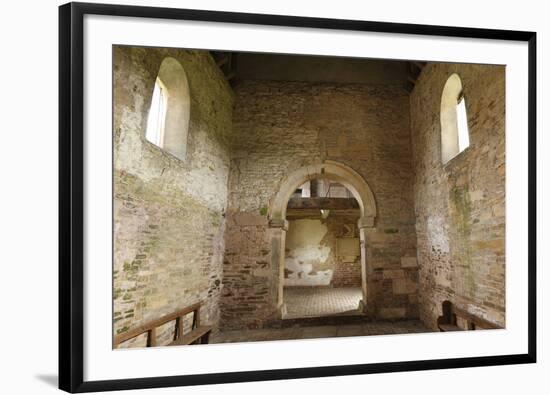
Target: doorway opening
[(322, 274), (319, 218)]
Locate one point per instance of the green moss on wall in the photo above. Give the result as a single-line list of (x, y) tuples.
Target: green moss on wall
[(461, 211)]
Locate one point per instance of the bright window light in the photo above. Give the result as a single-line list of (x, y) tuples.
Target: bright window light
[(157, 115), (455, 136), (462, 121)]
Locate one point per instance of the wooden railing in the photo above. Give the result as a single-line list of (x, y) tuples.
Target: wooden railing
[(198, 333), (448, 321)]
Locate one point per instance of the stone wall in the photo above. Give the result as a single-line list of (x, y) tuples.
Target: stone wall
[(282, 126), (344, 234), (323, 252), (168, 214), (460, 207)]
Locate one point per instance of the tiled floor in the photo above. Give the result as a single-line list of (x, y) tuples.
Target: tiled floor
[(315, 332), (320, 301)]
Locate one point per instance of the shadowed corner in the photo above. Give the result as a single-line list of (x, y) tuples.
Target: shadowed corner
[(50, 379)]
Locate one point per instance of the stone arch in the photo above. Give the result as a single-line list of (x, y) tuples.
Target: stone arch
[(334, 171)]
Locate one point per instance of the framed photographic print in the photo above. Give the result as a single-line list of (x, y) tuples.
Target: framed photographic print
[(250, 197)]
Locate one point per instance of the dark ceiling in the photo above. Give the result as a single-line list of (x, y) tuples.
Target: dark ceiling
[(238, 66)]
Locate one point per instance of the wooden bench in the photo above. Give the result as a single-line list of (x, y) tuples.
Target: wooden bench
[(448, 321), (199, 334)]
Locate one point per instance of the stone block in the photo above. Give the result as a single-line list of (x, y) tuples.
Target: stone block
[(348, 246), (409, 261), (392, 312), (393, 273), (376, 264), (499, 210), (404, 286), (476, 195), (261, 272), (249, 219), (379, 237)]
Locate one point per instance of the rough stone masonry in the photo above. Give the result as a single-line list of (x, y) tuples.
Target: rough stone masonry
[(198, 229), (168, 214), (282, 126), (460, 206)]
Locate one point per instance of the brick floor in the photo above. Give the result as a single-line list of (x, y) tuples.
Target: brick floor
[(314, 332), (320, 301)]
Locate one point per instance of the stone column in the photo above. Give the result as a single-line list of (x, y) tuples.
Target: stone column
[(278, 228), (363, 224)]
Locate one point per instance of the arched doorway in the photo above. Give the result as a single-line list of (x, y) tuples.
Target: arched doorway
[(278, 223)]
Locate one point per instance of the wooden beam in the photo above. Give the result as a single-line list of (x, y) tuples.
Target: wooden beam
[(152, 337), (200, 334), (323, 203), (316, 214), (179, 328)]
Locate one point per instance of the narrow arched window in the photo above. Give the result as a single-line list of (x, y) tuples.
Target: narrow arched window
[(168, 119), (454, 121)]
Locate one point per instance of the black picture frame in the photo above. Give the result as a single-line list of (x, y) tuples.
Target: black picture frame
[(71, 197)]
